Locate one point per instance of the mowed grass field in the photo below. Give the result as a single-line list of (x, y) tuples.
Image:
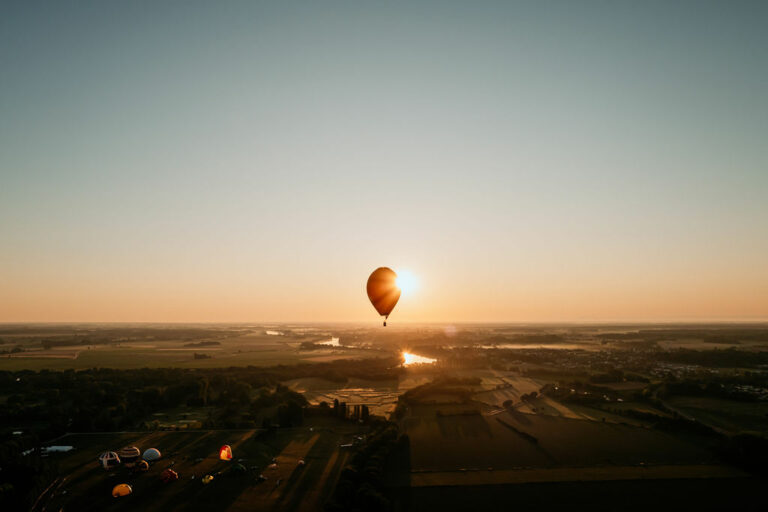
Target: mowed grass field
[(83, 485)]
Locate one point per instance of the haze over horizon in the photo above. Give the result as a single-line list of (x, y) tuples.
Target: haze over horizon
[(528, 162)]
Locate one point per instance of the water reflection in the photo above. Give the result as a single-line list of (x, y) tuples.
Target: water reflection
[(410, 359)]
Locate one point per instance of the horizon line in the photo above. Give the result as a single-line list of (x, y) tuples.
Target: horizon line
[(395, 324)]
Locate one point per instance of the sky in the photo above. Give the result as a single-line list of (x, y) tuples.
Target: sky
[(539, 161)]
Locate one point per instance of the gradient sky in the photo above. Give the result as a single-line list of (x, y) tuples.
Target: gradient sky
[(529, 162)]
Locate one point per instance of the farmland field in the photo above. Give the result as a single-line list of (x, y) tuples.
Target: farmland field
[(242, 347), (379, 395), (514, 460), (715, 494), (728, 415), (482, 441), (472, 421)]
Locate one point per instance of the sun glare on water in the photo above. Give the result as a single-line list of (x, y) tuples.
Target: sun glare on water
[(411, 359), (407, 282)]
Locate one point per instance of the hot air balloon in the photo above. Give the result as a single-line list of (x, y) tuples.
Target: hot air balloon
[(151, 455), (109, 460), (225, 452), (383, 291), (121, 490), (169, 476), (129, 456)]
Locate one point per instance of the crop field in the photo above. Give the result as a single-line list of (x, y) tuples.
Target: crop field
[(582, 474), (728, 415), (641, 407), (547, 406), (701, 494), (506, 387), (379, 395), (83, 485), (495, 441), (512, 460)]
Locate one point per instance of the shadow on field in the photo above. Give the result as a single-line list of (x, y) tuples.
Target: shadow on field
[(468, 426), (311, 475), (743, 494)]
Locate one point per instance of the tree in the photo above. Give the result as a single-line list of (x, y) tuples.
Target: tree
[(290, 414)]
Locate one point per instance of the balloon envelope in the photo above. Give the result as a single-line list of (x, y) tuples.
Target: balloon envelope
[(383, 291), (169, 476), (121, 490), (108, 460), (129, 456), (151, 455)]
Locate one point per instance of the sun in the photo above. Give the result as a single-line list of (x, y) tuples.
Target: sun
[(407, 282)]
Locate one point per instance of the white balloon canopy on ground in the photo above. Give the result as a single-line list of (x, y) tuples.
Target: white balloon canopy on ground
[(151, 455)]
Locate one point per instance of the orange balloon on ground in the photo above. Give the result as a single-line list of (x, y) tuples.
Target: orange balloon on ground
[(383, 291), (121, 490)]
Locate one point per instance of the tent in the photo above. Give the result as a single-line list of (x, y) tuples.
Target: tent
[(130, 455), (121, 490), (152, 455), (109, 460), (225, 452)]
